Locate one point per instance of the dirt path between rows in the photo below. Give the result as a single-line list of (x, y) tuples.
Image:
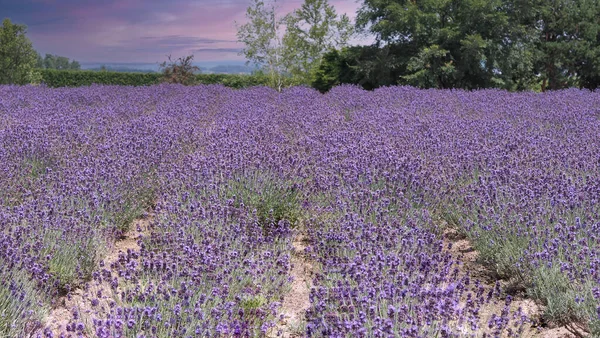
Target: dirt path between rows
[(78, 306), (466, 258), (292, 320)]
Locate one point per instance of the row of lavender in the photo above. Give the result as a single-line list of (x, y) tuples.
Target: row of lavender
[(516, 173), (373, 177)]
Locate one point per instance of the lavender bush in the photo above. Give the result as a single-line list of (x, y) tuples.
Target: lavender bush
[(229, 178)]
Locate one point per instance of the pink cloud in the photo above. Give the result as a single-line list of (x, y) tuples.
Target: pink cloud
[(113, 31)]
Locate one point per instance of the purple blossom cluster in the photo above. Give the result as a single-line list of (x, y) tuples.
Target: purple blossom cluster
[(227, 179)]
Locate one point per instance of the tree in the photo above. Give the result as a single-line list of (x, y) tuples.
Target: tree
[(74, 65), (456, 43), (431, 68), (368, 66), (62, 63), (51, 61), (40, 61), (262, 40), (180, 71), (292, 46), (511, 44), (329, 72), (311, 31), (17, 56), (568, 43)]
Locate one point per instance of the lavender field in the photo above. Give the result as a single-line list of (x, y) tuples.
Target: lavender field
[(172, 211)]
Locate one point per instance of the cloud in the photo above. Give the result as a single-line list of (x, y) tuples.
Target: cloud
[(138, 30), (218, 50), (177, 40)]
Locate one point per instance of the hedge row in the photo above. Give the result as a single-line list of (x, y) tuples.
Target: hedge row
[(233, 80), (78, 78)]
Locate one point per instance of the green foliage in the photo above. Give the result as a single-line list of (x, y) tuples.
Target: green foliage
[(180, 71), (509, 44), (566, 304), (452, 44), (250, 303), (39, 63), (239, 81), (367, 66), (17, 296), (57, 62), (78, 78), (328, 73), (272, 198), (261, 37), (568, 42), (311, 31), (234, 80), (72, 260), (432, 68), (56, 78), (17, 56)]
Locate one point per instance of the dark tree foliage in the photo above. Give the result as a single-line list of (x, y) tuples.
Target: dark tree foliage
[(452, 44), (471, 44), (568, 43), (367, 66)]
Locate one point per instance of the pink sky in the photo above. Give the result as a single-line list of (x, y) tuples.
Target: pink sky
[(140, 30)]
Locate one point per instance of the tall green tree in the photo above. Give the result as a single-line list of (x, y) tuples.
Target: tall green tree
[(291, 46), (568, 43), (311, 31), (262, 38), (17, 56), (456, 43), (519, 71)]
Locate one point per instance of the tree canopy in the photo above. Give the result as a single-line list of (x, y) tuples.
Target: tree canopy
[(311, 31), (17, 56), (470, 44), (262, 39), (292, 45), (51, 61)]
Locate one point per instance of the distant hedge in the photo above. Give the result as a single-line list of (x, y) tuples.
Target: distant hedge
[(78, 78), (233, 80)]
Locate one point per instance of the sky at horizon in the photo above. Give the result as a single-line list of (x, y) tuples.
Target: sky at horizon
[(139, 31)]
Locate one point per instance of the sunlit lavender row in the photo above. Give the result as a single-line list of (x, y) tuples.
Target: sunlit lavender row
[(227, 179)]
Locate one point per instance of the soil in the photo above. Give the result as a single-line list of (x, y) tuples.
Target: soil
[(78, 301), (292, 321), (296, 302), (466, 258)]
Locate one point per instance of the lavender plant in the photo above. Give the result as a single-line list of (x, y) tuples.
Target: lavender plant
[(375, 179)]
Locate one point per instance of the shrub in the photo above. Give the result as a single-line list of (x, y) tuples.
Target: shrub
[(180, 71), (72, 259), (271, 198), (18, 295)]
